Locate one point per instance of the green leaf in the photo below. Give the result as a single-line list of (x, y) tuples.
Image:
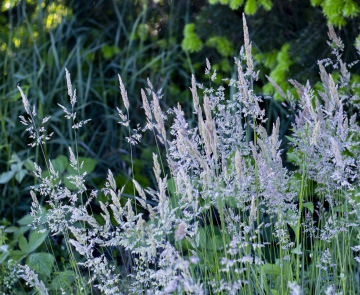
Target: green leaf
[(191, 41), (63, 280), (23, 245), (310, 206), (60, 163), (222, 45), (27, 219), (41, 263), (4, 256), (20, 231), (36, 239), (17, 255), (6, 176), (88, 166), (267, 4), (19, 176), (297, 250), (30, 165), (235, 4), (250, 7), (274, 292), (271, 269), (11, 229)]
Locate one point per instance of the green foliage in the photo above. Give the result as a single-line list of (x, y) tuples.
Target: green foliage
[(16, 170), (310, 206), (279, 69), (222, 45), (271, 269), (191, 41), (109, 51), (41, 263), (251, 6), (336, 11), (236, 4)]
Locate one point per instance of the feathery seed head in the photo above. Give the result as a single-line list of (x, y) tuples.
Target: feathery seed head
[(139, 189), (332, 35), (249, 60), (111, 180), (159, 118), (238, 164), (252, 209), (194, 93), (180, 231), (157, 170), (25, 101), (124, 93), (315, 133), (147, 108)]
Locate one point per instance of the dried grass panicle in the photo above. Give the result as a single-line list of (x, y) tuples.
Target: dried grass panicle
[(249, 60), (147, 109), (333, 37), (194, 93), (25, 101), (160, 127), (124, 94), (277, 87)]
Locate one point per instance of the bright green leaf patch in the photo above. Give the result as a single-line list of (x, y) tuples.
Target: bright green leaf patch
[(41, 263), (271, 269), (310, 206)]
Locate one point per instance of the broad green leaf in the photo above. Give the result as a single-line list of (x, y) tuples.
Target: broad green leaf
[(60, 163), (17, 255), (6, 176), (4, 248), (30, 165), (274, 292), (36, 239), (23, 245), (191, 41), (63, 280), (11, 229), (41, 263), (27, 219), (88, 166), (20, 231), (16, 167), (19, 176), (310, 206), (271, 269), (4, 256)]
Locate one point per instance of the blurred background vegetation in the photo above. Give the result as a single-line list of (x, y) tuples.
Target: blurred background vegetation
[(164, 40)]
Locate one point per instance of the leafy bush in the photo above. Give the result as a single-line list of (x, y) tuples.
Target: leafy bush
[(226, 217)]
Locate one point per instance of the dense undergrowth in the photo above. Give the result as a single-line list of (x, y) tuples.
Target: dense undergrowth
[(226, 216)]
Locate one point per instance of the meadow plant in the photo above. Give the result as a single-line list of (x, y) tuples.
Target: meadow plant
[(226, 216)]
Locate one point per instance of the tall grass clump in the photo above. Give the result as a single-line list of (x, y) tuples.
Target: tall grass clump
[(226, 216)]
